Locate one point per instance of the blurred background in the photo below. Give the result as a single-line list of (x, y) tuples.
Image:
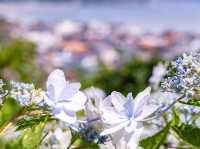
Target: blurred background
[(111, 44)]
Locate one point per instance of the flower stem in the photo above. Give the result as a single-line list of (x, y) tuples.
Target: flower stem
[(160, 113)]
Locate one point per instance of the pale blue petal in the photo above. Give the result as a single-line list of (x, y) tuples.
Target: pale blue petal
[(114, 128), (129, 106), (66, 116), (69, 91), (133, 142), (75, 103), (118, 100), (131, 127), (147, 111), (55, 84), (111, 117), (141, 100)]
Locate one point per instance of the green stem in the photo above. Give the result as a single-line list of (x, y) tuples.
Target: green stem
[(71, 143)]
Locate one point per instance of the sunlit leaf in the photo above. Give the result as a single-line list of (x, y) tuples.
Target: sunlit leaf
[(189, 134), (8, 111), (155, 141), (32, 137), (176, 119), (82, 144), (193, 102), (31, 121)]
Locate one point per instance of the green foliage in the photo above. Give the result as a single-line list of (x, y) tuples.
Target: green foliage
[(188, 133), (155, 141), (32, 137), (83, 144), (29, 122), (13, 144), (132, 77), (193, 102), (8, 111), (176, 119), (17, 61)]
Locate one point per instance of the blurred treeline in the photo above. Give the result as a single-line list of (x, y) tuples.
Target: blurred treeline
[(132, 77), (18, 61)]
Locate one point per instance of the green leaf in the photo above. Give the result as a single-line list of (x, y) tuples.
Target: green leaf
[(83, 144), (155, 141), (189, 134), (176, 119), (193, 102), (32, 137), (80, 113), (8, 111), (31, 121), (13, 144)]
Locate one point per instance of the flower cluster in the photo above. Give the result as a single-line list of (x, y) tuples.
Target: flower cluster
[(115, 121), (126, 113), (103, 116), (63, 97), (25, 93), (115, 111), (183, 75), (58, 137)]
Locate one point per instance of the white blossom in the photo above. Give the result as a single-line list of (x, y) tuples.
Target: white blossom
[(58, 136), (64, 97), (94, 96), (62, 137), (122, 140), (120, 112), (124, 113)]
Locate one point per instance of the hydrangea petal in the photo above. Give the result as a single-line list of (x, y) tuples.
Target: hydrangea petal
[(69, 91), (135, 138), (66, 116), (55, 84), (114, 128), (118, 100), (140, 100), (76, 103)]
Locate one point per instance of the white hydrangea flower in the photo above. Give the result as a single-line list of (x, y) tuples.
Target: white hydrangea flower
[(64, 97), (94, 96), (121, 140), (121, 112), (126, 114), (58, 136), (63, 138), (94, 93)]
